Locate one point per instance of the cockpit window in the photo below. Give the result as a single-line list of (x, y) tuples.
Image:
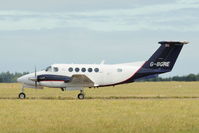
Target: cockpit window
[(49, 69), (55, 69)]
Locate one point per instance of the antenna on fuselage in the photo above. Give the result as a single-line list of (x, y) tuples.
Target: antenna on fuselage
[(102, 62)]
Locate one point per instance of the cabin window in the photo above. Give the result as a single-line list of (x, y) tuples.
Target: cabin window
[(83, 69), (96, 70), (55, 69), (90, 70), (119, 70), (76, 69), (70, 69), (49, 69)]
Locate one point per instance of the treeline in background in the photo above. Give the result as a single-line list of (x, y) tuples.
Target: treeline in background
[(7, 77), (190, 77)]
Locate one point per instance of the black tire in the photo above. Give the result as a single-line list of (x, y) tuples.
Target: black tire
[(22, 95), (80, 96)]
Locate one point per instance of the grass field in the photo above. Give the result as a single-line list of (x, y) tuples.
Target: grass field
[(166, 107)]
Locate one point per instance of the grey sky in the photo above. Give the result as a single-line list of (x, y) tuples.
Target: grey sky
[(46, 32)]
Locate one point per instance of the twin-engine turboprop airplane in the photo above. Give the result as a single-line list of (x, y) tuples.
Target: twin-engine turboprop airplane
[(80, 76)]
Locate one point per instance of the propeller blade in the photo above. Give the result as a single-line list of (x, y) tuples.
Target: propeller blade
[(35, 71), (35, 84), (35, 77)]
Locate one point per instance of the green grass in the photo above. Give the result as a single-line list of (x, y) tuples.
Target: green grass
[(148, 89), (107, 110)]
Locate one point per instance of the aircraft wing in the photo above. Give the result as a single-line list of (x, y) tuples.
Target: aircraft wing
[(81, 80)]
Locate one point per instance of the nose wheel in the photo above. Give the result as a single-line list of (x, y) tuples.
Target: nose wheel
[(81, 95), (22, 95)]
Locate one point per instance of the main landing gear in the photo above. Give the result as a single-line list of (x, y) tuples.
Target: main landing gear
[(63, 89), (81, 95), (22, 95)]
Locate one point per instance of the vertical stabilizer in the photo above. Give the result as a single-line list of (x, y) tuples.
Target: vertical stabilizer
[(163, 60)]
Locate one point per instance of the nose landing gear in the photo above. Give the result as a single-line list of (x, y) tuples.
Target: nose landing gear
[(22, 95)]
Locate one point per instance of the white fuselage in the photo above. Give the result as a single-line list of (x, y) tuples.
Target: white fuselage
[(100, 75)]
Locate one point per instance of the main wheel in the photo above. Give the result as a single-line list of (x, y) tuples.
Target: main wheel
[(80, 96), (22, 95), (62, 89)]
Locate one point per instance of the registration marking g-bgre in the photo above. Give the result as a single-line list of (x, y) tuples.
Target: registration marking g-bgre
[(160, 64)]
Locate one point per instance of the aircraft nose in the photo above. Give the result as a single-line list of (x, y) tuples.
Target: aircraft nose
[(26, 79), (20, 79)]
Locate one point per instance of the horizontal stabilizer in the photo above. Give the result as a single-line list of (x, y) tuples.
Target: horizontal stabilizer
[(173, 42)]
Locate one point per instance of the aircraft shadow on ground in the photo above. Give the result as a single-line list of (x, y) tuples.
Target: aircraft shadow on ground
[(104, 98)]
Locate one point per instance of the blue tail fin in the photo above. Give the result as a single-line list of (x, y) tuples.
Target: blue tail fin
[(162, 61)]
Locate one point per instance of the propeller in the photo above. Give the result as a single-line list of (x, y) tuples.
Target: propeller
[(36, 77)]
